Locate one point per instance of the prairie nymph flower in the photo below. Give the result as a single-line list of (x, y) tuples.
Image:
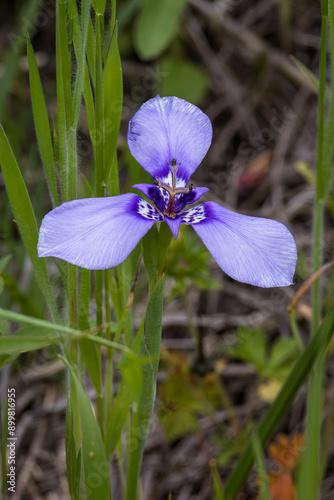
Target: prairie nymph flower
[(169, 137)]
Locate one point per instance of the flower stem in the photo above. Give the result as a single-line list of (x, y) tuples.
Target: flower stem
[(155, 248), (310, 476)]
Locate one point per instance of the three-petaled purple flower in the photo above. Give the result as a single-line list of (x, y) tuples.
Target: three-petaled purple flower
[(169, 137)]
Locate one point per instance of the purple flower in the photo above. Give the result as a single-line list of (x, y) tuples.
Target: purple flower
[(169, 138)]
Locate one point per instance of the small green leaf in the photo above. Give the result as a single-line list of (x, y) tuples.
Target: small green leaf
[(158, 23), (99, 6)]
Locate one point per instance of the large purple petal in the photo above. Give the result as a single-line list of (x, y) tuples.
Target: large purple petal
[(96, 233), (257, 251), (169, 128)]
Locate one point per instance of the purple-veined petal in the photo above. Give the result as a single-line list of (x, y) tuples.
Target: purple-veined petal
[(96, 233), (184, 199), (153, 193), (261, 252), (169, 128), (174, 225)]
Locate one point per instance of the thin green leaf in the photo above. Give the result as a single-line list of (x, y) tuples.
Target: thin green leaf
[(93, 451), (217, 485), (113, 96), (28, 338), (80, 55), (72, 467), (41, 122), (261, 469), (91, 49), (117, 417), (24, 215), (64, 101), (277, 410)]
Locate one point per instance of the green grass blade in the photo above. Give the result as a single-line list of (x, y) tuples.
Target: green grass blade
[(285, 398), (261, 469), (24, 215), (71, 460), (93, 451), (217, 485), (64, 101), (42, 123), (309, 477), (112, 95), (98, 138), (80, 55), (117, 417), (91, 51), (28, 338)]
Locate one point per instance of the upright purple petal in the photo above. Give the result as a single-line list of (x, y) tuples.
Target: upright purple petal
[(96, 233), (182, 200), (169, 128), (252, 250)]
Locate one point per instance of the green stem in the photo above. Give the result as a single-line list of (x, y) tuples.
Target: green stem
[(154, 254), (109, 367), (99, 321), (99, 126), (310, 474)]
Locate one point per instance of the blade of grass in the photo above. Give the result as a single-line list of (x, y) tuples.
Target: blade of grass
[(277, 410), (41, 122), (217, 485), (112, 96), (80, 57), (309, 471), (261, 468), (24, 215), (93, 451), (64, 104)]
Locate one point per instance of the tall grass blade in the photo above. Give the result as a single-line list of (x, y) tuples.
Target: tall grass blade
[(112, 95), (24, 215), (96, 465), (277, 410), (42, 123)]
